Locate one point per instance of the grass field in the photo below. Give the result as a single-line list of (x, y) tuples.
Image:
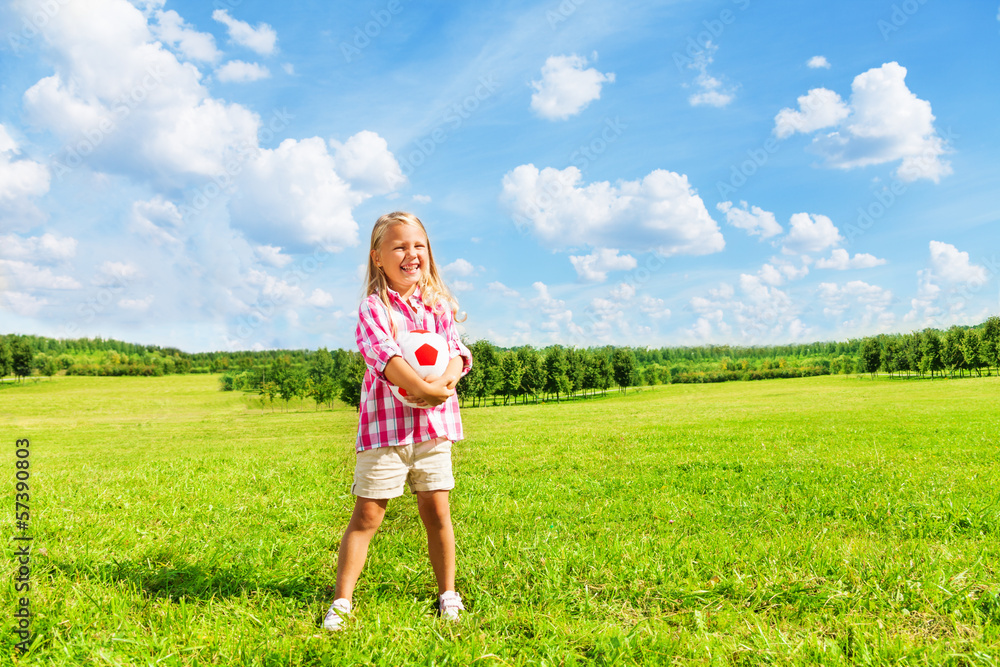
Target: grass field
[(833, 520)]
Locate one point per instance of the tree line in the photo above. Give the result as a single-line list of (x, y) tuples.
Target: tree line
[(501, 376), (955, 351)]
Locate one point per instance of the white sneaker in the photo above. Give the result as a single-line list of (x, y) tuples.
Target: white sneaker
[(338, 614), (449, 604)]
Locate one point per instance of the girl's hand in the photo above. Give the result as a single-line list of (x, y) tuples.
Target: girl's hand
[(436, 390)]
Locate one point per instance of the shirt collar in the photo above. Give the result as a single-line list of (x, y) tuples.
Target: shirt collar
[(415, 295)]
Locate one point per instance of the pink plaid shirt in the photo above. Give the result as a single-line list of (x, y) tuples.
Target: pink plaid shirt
[(385, 422)]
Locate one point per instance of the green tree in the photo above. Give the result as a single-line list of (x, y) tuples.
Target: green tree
[(871, 353), (911, 352), (576, 368), (510, 375), (623, 362), (268, 390), (352, 380), (484, 377), (533, 375), (6, 360), (951, 350), (930, 352), (991, 342), (556, 380), (972, 350), (607, 372), (892, 355), (21, 358)]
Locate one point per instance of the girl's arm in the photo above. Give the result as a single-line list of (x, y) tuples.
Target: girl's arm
[(432, 391)]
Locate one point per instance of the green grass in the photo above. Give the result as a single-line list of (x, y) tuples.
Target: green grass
[(833, 520)]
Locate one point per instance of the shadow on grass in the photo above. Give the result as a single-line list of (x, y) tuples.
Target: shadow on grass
[(159, 576)]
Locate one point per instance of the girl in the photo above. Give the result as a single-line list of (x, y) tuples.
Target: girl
[(397, 443)]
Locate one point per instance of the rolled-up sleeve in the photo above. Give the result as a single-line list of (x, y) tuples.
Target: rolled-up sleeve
[(447, 329), (374, 335)]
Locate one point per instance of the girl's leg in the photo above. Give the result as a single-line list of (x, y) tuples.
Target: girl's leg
[(367, 517), (436, 515)]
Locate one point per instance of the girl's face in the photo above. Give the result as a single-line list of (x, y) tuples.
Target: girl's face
[(402, 256)]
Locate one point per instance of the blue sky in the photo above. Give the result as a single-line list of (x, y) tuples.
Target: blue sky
[(642, 173)]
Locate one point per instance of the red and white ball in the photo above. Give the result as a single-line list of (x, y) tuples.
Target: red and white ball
[(427, 353)]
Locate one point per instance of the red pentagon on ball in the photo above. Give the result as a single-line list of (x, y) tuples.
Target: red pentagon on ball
[(426, 355)]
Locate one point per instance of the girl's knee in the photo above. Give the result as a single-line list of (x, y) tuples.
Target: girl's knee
[(434, 509), (368, 514)]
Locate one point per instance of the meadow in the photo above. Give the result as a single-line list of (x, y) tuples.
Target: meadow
[(834, 520)]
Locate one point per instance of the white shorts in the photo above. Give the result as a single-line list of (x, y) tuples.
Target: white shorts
[(382, 472)]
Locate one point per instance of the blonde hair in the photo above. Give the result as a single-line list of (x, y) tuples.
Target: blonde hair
[(433, 291)]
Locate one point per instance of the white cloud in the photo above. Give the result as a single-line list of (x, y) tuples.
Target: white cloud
[(858, 305), (366, 162), (116, 274), (320, 299), (261, 39), (460, 267), (462, 286), (497, 286), (762, 313), (841, 260), (818, 62), (171, 29), (819, 108), (45, 248), (129, 102), (770, 275), (886, 123), (20, 181), (653, 307), (558, 315), (292, 196), (422, 199), (289, 68), (953, 266), (623, 292), (566, 88), (662, 212), (272, 255), (923, 307), (595, 266), (28, 276), (811, 233), (20, 303), (712, 92), (755, 220), (237, 71), (158, 219), (139, 305)]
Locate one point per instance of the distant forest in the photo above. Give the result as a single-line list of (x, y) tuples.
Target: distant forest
[(504, 375)]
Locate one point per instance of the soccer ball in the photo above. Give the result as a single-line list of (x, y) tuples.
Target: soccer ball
[(427, 353)]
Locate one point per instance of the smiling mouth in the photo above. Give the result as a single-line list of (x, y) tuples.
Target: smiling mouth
[(410, 268)]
